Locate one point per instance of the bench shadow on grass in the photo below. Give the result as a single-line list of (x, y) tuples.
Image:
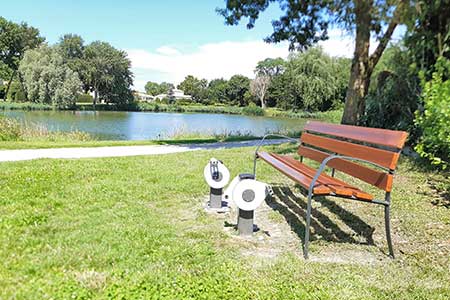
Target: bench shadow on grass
[(293, 209)]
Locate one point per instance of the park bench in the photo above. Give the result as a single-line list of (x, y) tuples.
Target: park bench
[(369, 154)]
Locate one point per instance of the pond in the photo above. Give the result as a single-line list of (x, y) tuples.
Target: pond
[(108, 125)]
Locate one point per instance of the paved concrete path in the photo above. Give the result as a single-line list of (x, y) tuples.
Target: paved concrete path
[(116, 151)]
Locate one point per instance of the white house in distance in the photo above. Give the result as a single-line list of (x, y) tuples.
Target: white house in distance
[(175, 94), (140, 96)]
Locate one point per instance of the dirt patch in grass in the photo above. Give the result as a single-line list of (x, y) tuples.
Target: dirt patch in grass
[(91, 279)]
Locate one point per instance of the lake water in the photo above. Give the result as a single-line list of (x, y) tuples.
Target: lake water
[(147, 125)]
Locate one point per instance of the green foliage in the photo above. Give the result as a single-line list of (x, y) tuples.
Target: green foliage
[(428, 35), (217, 91), (197, 88), (47, 79), (253, 110), (394, 93), (9, 129), (238, 90), (108, 73), (153, 88), (15, 39), (434, 121), (12, 130), (305, 23), (311, 80), (16, 93), (270, 67), (84, 98)]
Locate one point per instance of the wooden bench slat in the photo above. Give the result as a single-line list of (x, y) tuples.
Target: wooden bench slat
[(390, 138), (303, 174), (337, 186), (376, 178), (300, 178), (387, 159), (310, 172)]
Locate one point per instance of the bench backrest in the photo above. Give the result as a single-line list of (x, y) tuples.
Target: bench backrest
[(379, 146)]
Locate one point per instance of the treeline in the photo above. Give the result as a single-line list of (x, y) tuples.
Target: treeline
[(59, 74), (311, 81)]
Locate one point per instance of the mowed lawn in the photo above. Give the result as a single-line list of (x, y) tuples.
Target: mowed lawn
[(134, 228)]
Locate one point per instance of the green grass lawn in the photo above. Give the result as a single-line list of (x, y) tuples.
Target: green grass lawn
[(134, 228)]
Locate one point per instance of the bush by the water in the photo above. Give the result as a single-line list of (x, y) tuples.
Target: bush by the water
[(9, 129), (253, 110), (434, 121), (85, 98), (12, 130)]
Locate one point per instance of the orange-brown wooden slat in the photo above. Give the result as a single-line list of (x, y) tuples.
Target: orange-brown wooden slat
[(337, 186), (381, 157), (376, 178), (310, 172), (391, 138), (300, 178)]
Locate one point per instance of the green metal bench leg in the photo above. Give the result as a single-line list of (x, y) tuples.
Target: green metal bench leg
[(388, 230), (308, 223)]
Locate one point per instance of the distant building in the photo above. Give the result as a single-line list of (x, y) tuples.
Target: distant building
[(139, 96), (174, 94)]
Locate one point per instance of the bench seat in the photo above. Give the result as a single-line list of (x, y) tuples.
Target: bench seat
[(303, 175)]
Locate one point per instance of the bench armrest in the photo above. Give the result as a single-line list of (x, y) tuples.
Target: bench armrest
[(291, 140), (335, 156)]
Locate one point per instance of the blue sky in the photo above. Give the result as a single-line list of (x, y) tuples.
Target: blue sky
[(165, 40)]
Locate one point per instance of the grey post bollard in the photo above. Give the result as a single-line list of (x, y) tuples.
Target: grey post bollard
[(245, 222), (215, 198)]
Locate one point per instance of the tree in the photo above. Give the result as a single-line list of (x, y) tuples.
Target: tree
[(195, 87), (270, 67), (47, 79), (108, 73), (307, 22), (15, 39), (71, 47), (152, 88), (259, 87), (238, 87), (217, 90), (428, 38)]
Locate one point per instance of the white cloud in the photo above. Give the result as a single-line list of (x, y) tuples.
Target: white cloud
[(223, 59), (215, 60), (167, 50)]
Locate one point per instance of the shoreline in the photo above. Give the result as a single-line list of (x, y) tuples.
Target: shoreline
[(174, 108)]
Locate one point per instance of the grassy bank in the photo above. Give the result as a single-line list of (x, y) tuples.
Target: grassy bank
[(134, 228), (333, 115)]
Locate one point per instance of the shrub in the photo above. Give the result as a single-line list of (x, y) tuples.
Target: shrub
[(16, 93), (10, 129), (85, 98), (253, 110), (434, 121), (394, 93)]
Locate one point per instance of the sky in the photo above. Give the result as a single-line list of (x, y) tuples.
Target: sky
[(166, 40)]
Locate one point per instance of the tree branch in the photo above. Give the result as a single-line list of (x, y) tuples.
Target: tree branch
[(375, 57)]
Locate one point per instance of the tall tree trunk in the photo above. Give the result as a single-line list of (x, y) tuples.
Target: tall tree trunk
[(359, 77), (363, 64), (9, 84), (95, 97), (22, 86), (263, 103)]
